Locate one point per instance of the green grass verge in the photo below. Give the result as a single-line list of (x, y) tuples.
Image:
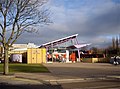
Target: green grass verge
[(26, 68)]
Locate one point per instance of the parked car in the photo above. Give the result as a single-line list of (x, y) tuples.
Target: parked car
[(115, 59)]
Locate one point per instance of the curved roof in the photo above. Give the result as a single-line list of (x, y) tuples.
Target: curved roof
[(59, 41)]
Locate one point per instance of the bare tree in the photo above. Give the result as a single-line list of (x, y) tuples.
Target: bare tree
[(113, 43), (16, 17)]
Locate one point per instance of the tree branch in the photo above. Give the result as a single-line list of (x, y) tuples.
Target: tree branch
[(20, 15), (1, 26), (18, 33), (13, 26)]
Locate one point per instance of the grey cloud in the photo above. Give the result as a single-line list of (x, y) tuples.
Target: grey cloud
[(106, 23), (92, 27), (44, 35)]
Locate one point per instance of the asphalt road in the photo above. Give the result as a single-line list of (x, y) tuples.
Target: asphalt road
[(108, 84), (75, 71), (111, 84), (83, 70)]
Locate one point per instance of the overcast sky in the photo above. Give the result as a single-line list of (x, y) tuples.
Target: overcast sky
[(96, 21)]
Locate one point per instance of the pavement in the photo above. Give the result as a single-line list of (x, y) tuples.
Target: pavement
[(37, 78), (48, 78)]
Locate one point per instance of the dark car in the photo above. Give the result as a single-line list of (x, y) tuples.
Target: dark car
[(115, 59)]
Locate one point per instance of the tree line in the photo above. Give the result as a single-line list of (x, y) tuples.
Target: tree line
[(112, 50)]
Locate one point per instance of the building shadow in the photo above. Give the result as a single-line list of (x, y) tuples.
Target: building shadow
[(28, 86)]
